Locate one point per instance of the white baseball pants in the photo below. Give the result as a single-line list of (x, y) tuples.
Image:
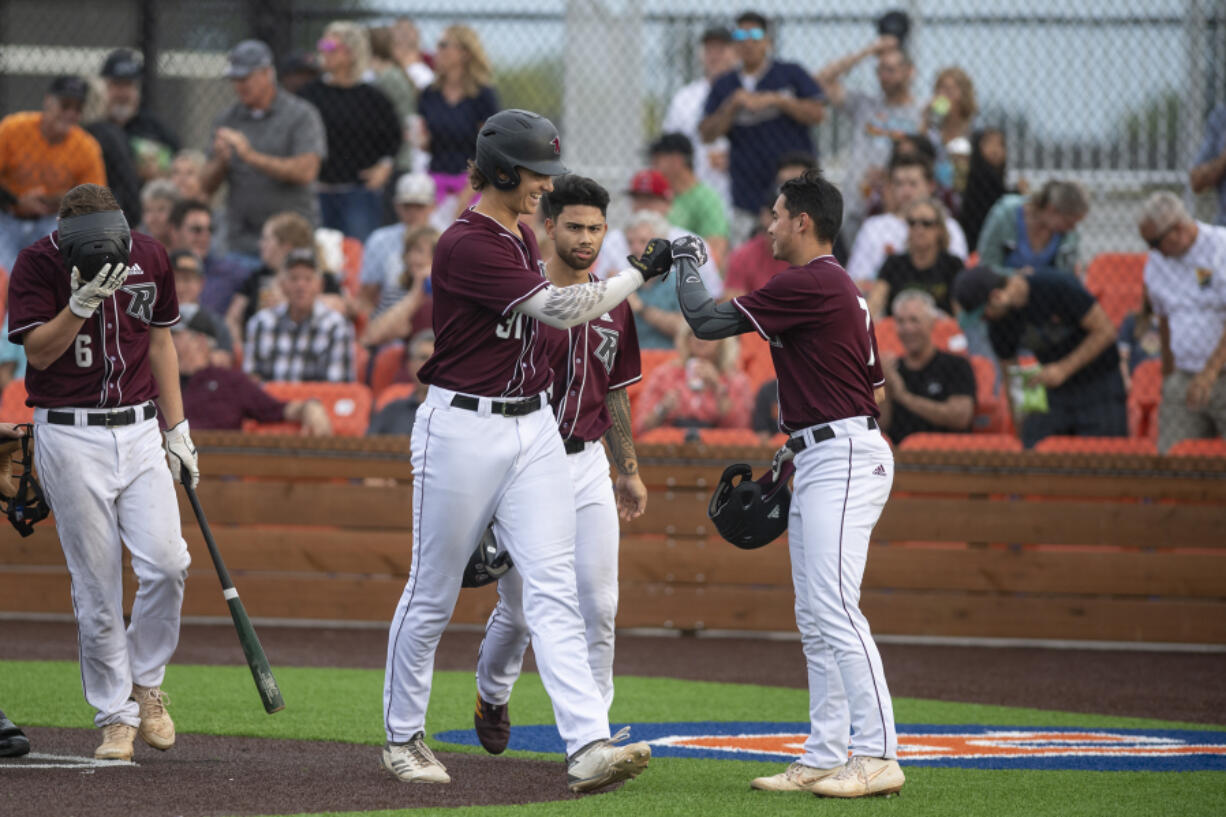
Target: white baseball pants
[(596, 539), (108, 488)]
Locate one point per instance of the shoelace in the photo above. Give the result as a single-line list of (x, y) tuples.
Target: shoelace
[(421, 752), (852, 769), (114, 731), (156, 700), (622, 734)]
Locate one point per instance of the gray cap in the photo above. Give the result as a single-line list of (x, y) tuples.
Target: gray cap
[(246, 57)]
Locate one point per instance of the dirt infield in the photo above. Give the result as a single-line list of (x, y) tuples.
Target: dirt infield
[(231, 776)]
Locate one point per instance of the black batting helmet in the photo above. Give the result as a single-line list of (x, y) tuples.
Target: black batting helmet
[(751, 513), (486, 564), (512, 139)]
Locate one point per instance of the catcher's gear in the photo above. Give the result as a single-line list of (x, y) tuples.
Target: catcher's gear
[(515, 138), (487, 564), (691, 247), (21, 497), (656, 259), (750, 513), (93, 241)]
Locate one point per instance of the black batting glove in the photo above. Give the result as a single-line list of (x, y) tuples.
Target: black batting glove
[(691, 247), (655, 261)]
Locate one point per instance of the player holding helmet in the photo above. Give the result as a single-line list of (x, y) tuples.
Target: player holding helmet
[(483, 448)]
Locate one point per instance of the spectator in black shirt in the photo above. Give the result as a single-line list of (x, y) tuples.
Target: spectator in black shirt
[(150, 141), (985, 181), (1050, 313), (926, 389), (926, 265), (362, 130)]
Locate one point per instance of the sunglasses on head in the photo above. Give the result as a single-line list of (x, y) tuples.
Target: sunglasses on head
[(742, 34), (921, 222), (1156, 242), (327, 44)]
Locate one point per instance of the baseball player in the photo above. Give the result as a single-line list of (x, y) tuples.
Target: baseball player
[(92, 304), (484, 448), (592, 365), (13, 742), (830, 381)]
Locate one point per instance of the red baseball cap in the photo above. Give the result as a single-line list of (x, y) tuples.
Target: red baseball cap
[(650, 183)]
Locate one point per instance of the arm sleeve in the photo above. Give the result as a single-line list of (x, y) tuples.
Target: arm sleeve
[(992, 238), (309, 135), (389, 131), (961, 377), (806, 87), (628, 367), (374, 258), (570, 306), (859, 266), (709, 320), (721, 89), (32, 300)]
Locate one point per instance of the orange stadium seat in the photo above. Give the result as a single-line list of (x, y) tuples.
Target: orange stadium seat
[(948, 336), (936, 441), (649, 360), (729, 436), (665, 435), (1117, 280), (1215, 447), (347, 404), (887, 337), (361, 363), (388, 361), (4, 293), (395, 391), (1096, 445), (755, 359), (13, 408), (991, 407), (352, 270), (1143, 397)]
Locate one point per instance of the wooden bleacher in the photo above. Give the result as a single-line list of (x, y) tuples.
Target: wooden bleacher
[(1067, 545)]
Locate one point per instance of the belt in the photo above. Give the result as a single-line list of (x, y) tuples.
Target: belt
[(820, 435), (507, 408), (109, 419), (574, 445)]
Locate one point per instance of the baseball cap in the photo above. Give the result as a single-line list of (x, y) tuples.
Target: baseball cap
[(414, 188), (300, 256), (672, 143), (181, 255), (122, 63), (895, 23), (69, 87), (195, 319), (716, 34), (246, 57), (650, 183), (973, 286)]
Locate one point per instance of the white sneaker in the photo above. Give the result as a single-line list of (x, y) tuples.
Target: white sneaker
[(117, 740), (797, 777), (862, 777), (602, 763), (413, 762)]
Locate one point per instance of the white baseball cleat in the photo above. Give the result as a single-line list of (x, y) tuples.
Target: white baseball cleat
[(862, 777), (413, 762), (797, 777), (602, 763)]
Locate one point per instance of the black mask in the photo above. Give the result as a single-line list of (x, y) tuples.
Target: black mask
[(91, 241)]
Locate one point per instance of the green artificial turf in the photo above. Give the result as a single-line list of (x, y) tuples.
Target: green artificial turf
[(344, 705)]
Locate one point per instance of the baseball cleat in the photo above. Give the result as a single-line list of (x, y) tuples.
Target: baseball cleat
[(413, 762), (797, 777), (156, 727), (862, 777), (13, 742), (602, 763), (117, 740), (493, 725)]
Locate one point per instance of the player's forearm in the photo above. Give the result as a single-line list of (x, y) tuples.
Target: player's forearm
[(564, 307), (290, 169), (804, 111), (619, 436), (212, 176), (394, 323), (709, 320), (164, 363), (47, 343), (1207, 175), (1101, 334), (719, 123), (955, 413)]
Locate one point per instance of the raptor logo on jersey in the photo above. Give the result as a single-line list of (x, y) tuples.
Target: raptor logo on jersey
[(143, 298), (606, 352)]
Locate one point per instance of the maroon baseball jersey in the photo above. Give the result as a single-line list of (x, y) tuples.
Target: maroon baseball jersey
[(107, 364), (822, 343), (482, 346), (589, 361), (217, 398)]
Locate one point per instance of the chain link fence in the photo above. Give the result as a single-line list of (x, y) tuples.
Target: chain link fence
[(1116, 95)]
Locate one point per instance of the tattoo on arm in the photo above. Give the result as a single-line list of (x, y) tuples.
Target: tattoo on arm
[(621, 442), (568, 303)]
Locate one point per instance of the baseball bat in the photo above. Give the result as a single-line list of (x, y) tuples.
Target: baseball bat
[(261, 672)]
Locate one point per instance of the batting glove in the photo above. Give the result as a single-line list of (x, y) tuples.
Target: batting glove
[(87, 296), (182, 453), (691, 247), (656, 259)]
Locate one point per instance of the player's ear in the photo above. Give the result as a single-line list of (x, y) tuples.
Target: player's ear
[(550, 226)]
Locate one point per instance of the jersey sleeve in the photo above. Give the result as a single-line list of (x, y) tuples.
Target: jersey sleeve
[(721, 89), (1072, 300), (961, 376), (308, 135), (805, 86), (1155, 293), (779, 304), (32, 300), (628, 367), (490, 272), (166, 307)]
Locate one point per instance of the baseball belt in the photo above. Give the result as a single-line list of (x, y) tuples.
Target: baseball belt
[(820, 435), (109, 419), (507, 408)]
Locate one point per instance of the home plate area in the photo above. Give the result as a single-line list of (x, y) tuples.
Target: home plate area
[(959, 746)]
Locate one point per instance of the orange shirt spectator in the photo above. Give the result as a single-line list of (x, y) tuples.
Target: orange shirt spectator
[(701, 388)]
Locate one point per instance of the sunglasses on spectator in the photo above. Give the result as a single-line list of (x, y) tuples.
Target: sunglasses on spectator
[(1156, 242), (186, 269), (447, 44), (922, 222), (200, 228), (327, 44), (742, 34)]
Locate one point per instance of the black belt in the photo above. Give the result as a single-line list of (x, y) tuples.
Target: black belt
[(820, 435), (507, 408), (109, 419), (574, 446)]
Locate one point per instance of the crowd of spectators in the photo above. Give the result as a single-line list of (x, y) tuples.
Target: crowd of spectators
[(302, 236)]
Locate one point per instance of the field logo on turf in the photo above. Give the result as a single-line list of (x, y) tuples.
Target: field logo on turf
[(962, 746)]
